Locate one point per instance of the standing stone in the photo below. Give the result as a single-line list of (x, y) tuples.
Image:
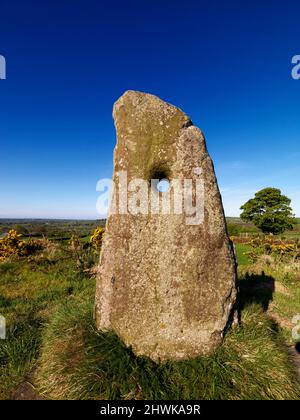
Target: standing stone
[(166, 287)]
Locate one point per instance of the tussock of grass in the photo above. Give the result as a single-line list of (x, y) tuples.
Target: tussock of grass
[(78, 362), (18, 354), (29, 292)]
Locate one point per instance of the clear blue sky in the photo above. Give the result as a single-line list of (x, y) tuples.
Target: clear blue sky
[(225, 63)]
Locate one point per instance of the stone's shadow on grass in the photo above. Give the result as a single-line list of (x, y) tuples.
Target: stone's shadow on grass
[(5, 302), (255, 289)]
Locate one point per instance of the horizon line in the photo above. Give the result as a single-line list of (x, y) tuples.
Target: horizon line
[(83, 219)]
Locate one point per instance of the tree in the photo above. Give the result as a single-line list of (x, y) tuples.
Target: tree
[(270, 211)]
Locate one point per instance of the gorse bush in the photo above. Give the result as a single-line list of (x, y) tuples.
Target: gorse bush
[(97, 237), (86, 254), (10, 245), (281, 250), (232, 229), (13, 245), (83, 253)]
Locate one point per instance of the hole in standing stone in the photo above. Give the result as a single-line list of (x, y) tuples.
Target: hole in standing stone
[(163, 185)]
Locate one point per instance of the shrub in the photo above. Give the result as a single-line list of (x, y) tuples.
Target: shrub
[(83, 253), (279, 249), (233, 229), (97, 237), (12, 245)]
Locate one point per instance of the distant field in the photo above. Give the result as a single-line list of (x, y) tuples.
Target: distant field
[(63, 229), (50, 228), (237, 226)]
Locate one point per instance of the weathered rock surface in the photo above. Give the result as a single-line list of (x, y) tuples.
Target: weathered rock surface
[(165, 287)]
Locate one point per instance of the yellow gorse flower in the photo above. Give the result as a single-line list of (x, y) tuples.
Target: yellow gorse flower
[(272, 245), (97, 237), (11, 245)]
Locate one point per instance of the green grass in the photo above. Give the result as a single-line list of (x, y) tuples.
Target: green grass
[(78, 362), (18, 354), (29, 292), (51, 337), (279, 283), (241, 253)]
